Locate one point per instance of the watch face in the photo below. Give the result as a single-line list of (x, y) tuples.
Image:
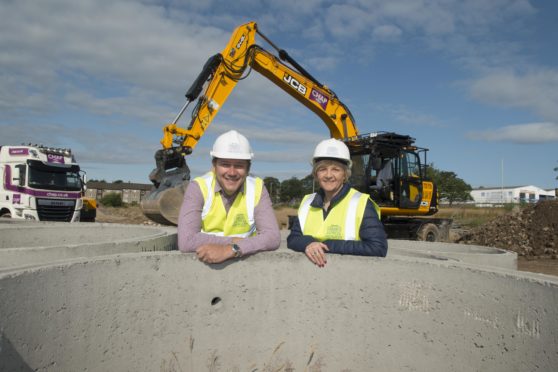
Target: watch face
[(236, 250)]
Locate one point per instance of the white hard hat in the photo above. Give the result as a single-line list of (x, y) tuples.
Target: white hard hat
[(332, 149), (232, 145)]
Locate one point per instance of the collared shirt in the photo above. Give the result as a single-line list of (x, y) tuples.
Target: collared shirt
[(190, 236)]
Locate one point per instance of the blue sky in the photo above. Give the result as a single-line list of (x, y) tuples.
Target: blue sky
[(474, 81)]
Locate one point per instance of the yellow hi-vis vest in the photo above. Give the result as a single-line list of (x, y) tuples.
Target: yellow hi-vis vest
[(342, 222), (239, 221)]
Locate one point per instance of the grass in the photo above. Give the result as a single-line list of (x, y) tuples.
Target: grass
[(465, 216), (471, 216)]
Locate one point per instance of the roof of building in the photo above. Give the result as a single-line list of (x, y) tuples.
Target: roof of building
[(119, 186), (505, 187)]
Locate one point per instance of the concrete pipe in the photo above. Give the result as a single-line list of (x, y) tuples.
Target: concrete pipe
[(471, 254), (24, 243), (166, 311)]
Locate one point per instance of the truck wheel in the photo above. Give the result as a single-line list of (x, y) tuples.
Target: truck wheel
[(5, 214), (429, 233)]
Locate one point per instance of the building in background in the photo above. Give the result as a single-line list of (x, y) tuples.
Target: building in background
[(130, 192), (513, 194)]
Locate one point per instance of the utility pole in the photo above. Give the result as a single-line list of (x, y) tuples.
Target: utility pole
[(502, 184)]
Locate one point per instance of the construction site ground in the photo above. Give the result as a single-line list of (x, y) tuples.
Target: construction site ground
[(531, 230)]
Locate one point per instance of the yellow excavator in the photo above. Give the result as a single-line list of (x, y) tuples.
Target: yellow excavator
[(386, 165)]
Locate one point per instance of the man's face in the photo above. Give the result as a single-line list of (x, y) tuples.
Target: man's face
[(231, 173)]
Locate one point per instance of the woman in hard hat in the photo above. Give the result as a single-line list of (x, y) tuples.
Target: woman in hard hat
[(226, 213), (338, 218)]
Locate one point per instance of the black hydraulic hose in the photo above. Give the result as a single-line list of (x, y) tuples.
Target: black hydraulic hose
[(208, 69), (286, 57)]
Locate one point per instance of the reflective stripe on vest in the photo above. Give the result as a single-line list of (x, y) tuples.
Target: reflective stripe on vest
[(239, 221), (333, 227)]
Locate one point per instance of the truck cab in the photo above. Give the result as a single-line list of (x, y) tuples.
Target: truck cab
[(40, 184)]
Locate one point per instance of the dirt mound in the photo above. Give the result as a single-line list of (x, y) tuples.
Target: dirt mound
[(531, 231)]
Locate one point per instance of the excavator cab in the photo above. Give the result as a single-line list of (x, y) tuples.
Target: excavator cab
[(389, 168)]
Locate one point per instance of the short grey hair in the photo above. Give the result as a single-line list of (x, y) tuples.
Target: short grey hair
[(327, 162)]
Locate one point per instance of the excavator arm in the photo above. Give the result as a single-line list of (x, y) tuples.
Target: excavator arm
[(222, 72)]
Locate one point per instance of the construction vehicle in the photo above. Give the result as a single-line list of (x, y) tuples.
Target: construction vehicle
[(88, 211), (386, 165), (40, 183)]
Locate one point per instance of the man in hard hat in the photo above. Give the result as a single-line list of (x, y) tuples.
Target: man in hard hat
[(226, 213), (338, 218)]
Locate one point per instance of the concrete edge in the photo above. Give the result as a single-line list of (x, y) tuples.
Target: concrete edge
[(535, 277)]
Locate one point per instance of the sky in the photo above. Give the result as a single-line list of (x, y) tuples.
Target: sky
[(474, 81)]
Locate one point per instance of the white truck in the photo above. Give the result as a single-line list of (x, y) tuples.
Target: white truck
[(40, 183)]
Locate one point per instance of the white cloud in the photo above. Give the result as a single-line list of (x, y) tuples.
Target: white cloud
[(531, 133), (65, 44), (387, 33), (409, 116), (345, 21), (278, 135), (103, 144), (535, 90), (430, 17)]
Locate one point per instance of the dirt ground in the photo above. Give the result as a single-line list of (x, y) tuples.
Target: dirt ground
[(132, 215), (532, 232)]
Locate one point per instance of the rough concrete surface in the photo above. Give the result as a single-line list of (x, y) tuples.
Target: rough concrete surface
[(166, 311), (472, 254), (23, 243)]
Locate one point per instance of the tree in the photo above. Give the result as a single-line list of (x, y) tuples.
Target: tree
[(450, 187), (556, 170), (112, 199), (292, 191), (273, 186), (308, 184)]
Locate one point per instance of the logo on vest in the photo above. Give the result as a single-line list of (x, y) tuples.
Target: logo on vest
[(333, 232), (239, 221)]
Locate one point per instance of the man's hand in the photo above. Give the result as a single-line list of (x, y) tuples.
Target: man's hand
[(214, 253)]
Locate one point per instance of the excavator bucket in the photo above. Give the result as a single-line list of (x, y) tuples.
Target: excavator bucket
[(170, 180)]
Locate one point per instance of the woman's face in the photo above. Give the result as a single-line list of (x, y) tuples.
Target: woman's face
[(330, 177)]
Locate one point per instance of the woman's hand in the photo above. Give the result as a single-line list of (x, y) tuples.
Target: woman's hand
[(315, 252)]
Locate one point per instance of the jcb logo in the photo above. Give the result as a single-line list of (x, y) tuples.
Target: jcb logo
[(239, 44), (295, 84)]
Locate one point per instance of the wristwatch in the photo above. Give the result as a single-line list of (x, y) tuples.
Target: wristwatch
[(236, 250)]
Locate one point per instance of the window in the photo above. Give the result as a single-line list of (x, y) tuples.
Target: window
[(54, 178), (410, 166)]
